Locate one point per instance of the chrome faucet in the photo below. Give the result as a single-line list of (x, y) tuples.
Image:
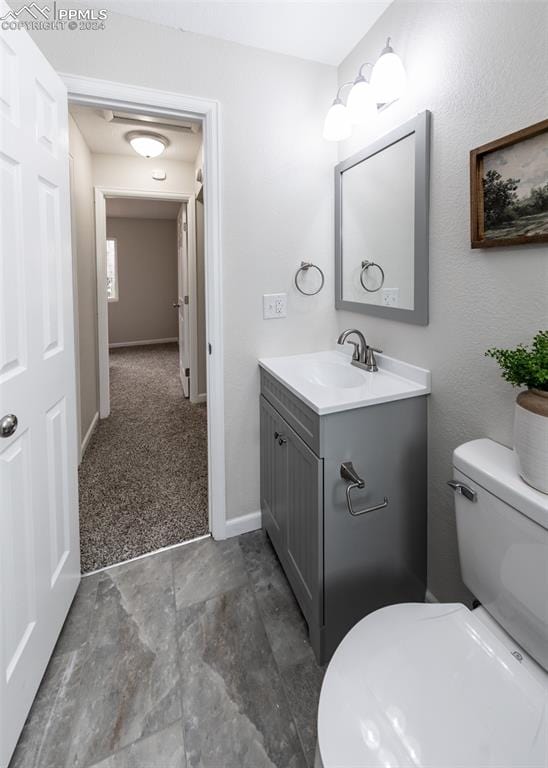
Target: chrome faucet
[(363, 355)]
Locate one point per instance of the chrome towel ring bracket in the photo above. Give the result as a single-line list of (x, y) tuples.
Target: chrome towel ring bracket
[(305, 266), (365, 266), (349, 474)]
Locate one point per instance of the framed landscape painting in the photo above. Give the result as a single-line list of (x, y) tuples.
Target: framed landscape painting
[(509, 189)]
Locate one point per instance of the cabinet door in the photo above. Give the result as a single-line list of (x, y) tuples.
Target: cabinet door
[(273, 475), (304, 525)]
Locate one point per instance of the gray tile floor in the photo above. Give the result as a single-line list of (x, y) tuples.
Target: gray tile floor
[(193, 657)]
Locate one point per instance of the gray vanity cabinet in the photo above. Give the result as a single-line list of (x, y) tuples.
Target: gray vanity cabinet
[(291, 495), (342, 567), (273, 474)]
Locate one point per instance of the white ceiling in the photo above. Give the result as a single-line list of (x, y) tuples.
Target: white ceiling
[(108, 138), (321, 31), (136, 208)]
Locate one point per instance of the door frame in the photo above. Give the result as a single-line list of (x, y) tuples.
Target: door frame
[(101, 196), (105, 94)]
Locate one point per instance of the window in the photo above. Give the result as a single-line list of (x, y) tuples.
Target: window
[(112, 270)]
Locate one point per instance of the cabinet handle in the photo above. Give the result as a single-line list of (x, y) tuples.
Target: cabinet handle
[(349, 474)]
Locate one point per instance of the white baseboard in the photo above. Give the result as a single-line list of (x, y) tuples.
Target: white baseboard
[(87, 436), (142, 343), (430, 598), (243, 524)]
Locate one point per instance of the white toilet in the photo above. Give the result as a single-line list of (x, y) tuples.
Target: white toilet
[(441, 686)]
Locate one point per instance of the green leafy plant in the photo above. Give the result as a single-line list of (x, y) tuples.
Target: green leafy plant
[(524, 367)]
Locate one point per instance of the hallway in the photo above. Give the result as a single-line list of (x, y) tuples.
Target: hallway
[(143, 478)]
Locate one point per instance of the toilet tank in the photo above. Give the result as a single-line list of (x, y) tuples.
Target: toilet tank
[(502, 529)]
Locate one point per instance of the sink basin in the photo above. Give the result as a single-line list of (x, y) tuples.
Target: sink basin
[(326, 374), (327, 382)]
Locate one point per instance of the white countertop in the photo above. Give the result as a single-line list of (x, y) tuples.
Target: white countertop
[(328, 383)]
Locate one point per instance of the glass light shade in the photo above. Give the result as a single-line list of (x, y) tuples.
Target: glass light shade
[(337, 125), (388, 78), (148, 145), (361, 104)]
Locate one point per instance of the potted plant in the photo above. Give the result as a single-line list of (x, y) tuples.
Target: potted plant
[(529, 368)]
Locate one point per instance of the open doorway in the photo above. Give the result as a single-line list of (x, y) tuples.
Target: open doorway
[(143, 477)]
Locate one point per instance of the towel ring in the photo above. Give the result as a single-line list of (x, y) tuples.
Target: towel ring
[(305, 266), (365, 267)]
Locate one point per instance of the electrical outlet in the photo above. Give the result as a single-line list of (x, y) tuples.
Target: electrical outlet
[(390, 297), (274, 306)]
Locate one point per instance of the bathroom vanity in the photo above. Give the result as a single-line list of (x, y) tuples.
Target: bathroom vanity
[(347, 549)]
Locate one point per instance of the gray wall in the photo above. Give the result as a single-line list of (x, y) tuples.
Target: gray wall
[(481, 69), (83, 230), (147, 279)]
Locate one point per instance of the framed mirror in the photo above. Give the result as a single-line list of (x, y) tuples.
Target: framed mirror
[(381, 226)]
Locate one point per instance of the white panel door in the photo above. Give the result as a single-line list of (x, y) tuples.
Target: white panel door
[(183, 298), (39, 552)]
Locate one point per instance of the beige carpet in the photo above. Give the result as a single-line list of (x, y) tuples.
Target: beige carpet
[(143, 480)]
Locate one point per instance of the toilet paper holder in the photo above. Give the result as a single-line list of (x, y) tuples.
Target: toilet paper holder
[(349, 474)]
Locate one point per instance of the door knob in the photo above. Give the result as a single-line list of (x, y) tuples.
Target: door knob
[(8, 425), (176, 305)]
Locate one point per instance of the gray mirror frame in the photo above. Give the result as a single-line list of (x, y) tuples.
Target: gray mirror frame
[(420, 126)]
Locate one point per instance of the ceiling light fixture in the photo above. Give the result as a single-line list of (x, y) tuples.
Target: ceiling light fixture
[(387, 83), (147, 144)]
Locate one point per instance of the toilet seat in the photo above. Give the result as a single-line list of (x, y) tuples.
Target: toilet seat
[(431, 685)]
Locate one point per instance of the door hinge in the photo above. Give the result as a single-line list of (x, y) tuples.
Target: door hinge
[(185, 227), (187, 371), (209, 348), (185, 299)]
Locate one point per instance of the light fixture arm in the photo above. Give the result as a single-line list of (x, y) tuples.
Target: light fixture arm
[(360, 75), (337, 99)]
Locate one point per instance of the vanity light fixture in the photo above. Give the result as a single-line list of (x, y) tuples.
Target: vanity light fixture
[(147, 144), (337, 125), (386, 84), (361, 103), (388, 78)]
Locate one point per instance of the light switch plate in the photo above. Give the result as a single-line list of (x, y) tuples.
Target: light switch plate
[(274, 306)]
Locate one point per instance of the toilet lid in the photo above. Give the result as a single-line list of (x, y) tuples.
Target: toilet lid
[(430, 685)]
